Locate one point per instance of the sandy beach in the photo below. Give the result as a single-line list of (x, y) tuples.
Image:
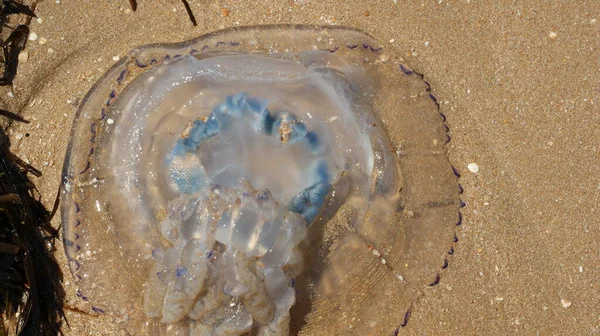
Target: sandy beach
[(519, 83)]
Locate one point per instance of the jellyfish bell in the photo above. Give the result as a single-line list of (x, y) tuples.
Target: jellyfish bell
[(272, 180)]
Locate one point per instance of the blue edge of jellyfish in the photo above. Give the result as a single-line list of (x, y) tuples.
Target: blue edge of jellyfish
[(308, 202)]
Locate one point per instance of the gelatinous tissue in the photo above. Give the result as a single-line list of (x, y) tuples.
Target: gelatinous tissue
[(267, 180)]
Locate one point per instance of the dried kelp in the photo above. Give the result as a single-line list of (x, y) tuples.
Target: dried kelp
[(31, 293), (14, 43)]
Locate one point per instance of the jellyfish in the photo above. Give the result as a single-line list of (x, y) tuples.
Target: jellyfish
[(268, 180)]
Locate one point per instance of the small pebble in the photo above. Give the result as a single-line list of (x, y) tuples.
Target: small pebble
[(43, 40), (552, 35), (426, 43), (39, 20), (10, 94), (116, 58), (392, 41), (110, 121), (33, 36), (473, 167), (19, 136), (23, 56), (565, 303), (224, 12), (50, 50)]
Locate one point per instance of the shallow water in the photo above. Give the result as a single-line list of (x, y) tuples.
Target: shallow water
[(389, 219)]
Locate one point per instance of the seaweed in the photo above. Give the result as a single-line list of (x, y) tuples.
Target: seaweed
[(15, 42), (188, 9), (30, 278), (31, 293)]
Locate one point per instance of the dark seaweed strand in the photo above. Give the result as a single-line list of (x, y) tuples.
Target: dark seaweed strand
[(30, 278), (27, 265), (435, 281), (13, 116), (133, 5), (189, 12), (16, 41), (113, 96)]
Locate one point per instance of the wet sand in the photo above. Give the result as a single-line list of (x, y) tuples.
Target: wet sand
[(519, 84)]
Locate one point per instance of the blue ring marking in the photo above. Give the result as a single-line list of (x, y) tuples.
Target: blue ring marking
[(299, 202), (254, 105), (297, 129), (265, 122), (322, 173), (298, 133), (313, 143), (318, 192), (307, 203), (235, 103), (188, 182)]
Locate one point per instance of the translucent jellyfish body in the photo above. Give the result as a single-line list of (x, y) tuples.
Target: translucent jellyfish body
[(266, 180)]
